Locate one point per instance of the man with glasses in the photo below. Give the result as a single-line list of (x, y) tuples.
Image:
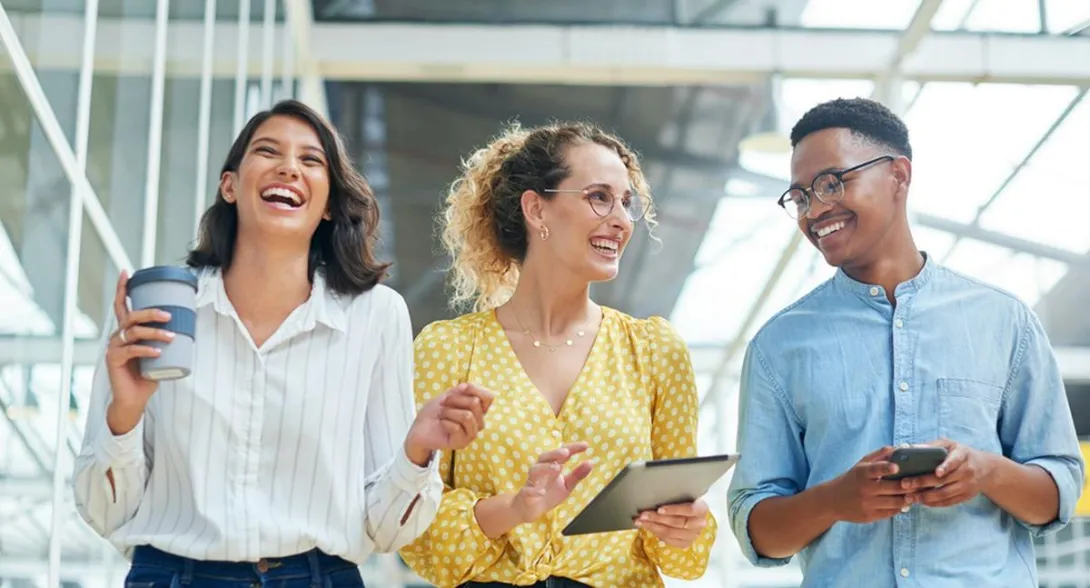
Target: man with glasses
[(895, 351)]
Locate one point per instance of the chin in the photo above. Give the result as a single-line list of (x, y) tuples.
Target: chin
[(285, 228), (599, 273)]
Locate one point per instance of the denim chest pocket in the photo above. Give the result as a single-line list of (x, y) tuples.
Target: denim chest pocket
[(969, 413)]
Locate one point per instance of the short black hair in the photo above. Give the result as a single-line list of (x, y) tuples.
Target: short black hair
[(342, 248), (865, 118)]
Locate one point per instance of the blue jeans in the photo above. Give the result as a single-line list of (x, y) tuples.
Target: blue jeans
[(152, 568)]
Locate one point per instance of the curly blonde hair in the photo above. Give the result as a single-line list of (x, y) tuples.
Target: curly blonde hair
[(483, 228)]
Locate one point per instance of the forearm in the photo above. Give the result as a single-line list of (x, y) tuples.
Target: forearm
[(782, 526), (122, 418), (1027, 492), (497, 515)]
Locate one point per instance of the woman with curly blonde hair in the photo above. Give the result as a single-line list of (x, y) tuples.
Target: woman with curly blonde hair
[(536, 218)]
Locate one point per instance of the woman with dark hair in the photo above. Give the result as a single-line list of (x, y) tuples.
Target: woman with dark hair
[(581, 389), (292, 450)]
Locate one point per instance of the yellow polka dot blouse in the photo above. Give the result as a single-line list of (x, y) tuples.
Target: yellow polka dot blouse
[(634, 400)]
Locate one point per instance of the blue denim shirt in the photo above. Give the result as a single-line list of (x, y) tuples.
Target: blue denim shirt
[(843, 372)]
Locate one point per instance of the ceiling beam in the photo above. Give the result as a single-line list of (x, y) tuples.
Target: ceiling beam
[(976, 233), (572, 54)]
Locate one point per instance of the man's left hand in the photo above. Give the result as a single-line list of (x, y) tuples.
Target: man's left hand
[(677, 525), (960, 478)]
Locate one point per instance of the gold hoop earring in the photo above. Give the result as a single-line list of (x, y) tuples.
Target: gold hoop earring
[(544, 233)]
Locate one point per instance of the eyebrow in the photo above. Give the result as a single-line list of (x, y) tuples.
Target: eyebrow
[(627, 190), (276, 142), (819, 172)]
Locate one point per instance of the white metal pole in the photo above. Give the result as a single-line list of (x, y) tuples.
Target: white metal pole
[(71, 285), (51, 128), (204, 114), (268, 31), (288, 90), (155, 135), (242, 66)]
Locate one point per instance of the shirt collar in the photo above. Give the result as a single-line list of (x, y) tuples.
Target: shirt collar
[(323, 306), (874, 291)]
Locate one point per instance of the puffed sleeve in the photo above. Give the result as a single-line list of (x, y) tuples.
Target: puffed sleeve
[(673, 434), (453, 549)]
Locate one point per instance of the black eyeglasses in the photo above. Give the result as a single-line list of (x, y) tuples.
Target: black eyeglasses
[(602, 200), (827, 186)]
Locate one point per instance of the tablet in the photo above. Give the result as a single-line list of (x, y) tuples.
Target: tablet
[(647, 485)]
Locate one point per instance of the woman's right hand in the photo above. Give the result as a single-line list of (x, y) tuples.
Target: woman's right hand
[(547, 485), (130, 390)]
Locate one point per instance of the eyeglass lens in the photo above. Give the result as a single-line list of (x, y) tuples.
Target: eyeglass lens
[(827, 187), (603, 201)]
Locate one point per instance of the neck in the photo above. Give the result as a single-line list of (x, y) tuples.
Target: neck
[(550, 303), (267, 281), (900, 262)]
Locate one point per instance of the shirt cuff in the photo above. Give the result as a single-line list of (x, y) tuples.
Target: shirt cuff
[(412, 478), (1068, 487), (118, 451), (740, 524)]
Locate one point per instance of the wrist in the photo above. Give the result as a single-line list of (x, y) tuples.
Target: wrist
[(516, 511), (122, 418), (827, 503), (416, 452), (990, 474)]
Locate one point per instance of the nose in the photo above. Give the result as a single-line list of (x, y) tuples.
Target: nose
[(288, 169), (817, 208)]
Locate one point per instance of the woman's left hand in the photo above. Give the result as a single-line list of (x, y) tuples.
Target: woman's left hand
[(677, 525)]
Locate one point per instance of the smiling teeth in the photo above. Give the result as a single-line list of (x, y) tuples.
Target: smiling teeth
[(283, 193), (828, 230), (604, 244)]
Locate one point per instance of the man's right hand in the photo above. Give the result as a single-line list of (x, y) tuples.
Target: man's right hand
[(860, 495), (547, 485), (130, 390)]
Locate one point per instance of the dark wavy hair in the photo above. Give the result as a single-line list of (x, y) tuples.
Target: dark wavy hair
[(343, 248)]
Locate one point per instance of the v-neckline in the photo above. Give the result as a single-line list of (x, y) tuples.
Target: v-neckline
[(579, 378)]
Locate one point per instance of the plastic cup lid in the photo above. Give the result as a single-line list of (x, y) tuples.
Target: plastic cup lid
[(162, 273)]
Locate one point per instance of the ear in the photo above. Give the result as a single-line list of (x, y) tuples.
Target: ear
[(533, 209), (902, 174), (227, 186)]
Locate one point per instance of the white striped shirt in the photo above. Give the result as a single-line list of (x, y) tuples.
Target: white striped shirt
[(272, 451)]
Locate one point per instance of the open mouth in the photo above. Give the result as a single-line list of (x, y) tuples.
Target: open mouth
[(830, 228), (606, 247), (282, 198)]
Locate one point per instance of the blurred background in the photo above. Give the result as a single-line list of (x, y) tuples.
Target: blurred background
[(115, 116)]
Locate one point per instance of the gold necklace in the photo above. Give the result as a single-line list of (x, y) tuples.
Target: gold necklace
[(537, 342)]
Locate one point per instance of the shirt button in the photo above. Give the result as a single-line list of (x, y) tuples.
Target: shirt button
[(903, 386), (904, 572), (899, 323), (874, 290)]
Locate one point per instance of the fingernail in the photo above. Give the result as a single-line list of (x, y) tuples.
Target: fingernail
[(639, 523), (170, 334), (662, 511), (939, 472), (164, 315)]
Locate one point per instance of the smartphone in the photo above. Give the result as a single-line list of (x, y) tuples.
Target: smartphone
[(916, 461)]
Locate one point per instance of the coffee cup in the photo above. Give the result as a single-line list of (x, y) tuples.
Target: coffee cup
[(174, 290)]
